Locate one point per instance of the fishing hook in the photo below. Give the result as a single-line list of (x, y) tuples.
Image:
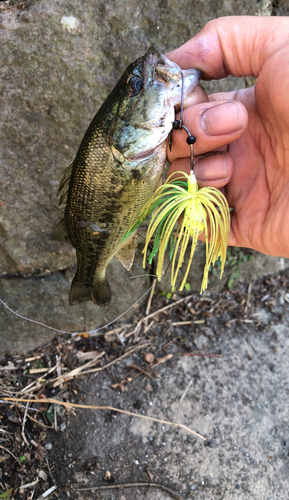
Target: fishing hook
[(178, 125)]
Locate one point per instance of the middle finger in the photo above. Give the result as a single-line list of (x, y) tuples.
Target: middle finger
[(213, 124)]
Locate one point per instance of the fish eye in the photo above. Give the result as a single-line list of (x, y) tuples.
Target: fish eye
[(136, 84)]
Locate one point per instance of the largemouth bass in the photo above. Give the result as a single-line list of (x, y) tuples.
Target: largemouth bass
[(117, 168)]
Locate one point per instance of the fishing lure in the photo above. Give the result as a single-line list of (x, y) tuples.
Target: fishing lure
[(204, 209)]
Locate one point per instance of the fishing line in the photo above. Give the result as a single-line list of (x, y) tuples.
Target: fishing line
[(91, 332), (33, 320), (178, 125)]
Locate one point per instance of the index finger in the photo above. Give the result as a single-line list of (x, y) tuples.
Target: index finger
[(237, 45)]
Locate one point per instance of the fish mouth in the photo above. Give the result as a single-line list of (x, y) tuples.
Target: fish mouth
[(167, 70), (154, 57), (175, 73)]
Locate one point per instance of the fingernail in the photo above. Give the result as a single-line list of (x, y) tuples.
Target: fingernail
[(211, 168), (221, 119)]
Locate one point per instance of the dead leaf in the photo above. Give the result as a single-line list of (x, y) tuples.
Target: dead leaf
[(42, 475), (110, 337), (79, 476), (164, 359), (40, 453), (84, 356), (149, 474), (119, 385), (14, 419)]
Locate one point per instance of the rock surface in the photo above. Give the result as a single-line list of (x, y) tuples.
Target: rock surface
[(59, 60), (45, 301)]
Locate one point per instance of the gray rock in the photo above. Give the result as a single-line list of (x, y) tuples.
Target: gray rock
[(281, 8), (59, 61), (44, 299)]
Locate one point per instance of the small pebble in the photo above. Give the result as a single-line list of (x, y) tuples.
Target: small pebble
[(70, 23), (149, 357)]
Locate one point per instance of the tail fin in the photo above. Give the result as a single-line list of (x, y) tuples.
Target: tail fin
[(99, 292)]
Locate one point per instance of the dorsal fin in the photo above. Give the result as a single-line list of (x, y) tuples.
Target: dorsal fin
[(64, 185)]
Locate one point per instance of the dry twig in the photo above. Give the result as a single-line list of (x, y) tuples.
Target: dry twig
[(111, 408), (76, 371), (116, 330), (39, 423), (151, 297), (165, 308), (186, 390), (142, 370), (201, 354), (30, 387), (162, 360), (23, 426), (10, 453), (133, 485), (47, 493), (149, 326), (116, 360)]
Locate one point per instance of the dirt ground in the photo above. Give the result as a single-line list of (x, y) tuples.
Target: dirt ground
[(216, 363)]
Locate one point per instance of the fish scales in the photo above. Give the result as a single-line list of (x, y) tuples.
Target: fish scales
[(116, 170)]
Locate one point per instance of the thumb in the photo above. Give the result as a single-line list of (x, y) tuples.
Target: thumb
[(237, 45)]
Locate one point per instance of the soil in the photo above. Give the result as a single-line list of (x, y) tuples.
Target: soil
[(216, 363)]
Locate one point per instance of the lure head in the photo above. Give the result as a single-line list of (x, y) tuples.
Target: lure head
[(195, 214), (142, 103)]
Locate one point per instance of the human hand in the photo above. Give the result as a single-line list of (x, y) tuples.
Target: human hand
[(246, 132)]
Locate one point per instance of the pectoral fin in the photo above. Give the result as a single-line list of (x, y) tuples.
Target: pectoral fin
[(127, 252)]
